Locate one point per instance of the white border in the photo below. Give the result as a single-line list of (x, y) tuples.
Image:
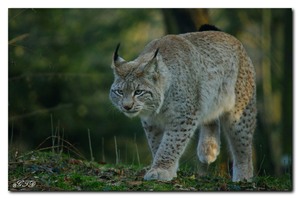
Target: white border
[(5, 4), (151, 4)]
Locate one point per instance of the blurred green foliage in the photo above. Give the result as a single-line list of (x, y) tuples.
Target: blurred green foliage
[(59, 65)]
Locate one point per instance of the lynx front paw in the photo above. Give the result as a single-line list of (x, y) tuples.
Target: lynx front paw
[(160, 174), (208, 151), (242, 171)]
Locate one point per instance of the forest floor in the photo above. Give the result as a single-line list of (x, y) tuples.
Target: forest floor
[(48, 171)]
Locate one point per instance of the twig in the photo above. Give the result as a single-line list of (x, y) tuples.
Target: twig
[(62, 143), (116, 149), (12, 133), (134, 142), (18, 38), (51, 75), (90, 144), (126, 151), (70, 147), (103, 156), (228, 167), (58, 134), (40, 111), (52, 132), (137, 154), (260, 165), (50, 147)]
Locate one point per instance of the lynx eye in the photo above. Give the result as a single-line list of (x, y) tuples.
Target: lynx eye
[(139, 92), (118, 92)]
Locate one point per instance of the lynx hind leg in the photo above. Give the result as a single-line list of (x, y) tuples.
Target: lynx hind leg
[(209, 142), (239, 128)]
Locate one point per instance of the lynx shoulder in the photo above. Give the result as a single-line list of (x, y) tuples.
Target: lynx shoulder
[(180, 83)]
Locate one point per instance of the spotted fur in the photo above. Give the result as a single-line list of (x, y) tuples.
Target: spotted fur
[(180, 83)]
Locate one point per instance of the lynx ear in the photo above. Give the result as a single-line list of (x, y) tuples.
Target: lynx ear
[(152, 64), (117, 60)]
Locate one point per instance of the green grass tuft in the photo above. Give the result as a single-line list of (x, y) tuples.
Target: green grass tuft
[(47, 171)]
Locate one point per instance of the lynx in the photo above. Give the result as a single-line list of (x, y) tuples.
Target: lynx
[(180, 83)]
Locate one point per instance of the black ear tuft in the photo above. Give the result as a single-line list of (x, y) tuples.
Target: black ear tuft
[(156, 52), (116, 52), (208, 27)]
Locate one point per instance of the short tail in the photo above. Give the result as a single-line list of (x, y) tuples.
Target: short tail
[(208, 27)]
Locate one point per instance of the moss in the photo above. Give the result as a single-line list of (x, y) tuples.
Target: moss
[(59, 172)]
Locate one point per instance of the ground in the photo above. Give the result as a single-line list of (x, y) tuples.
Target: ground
[(48, 171)]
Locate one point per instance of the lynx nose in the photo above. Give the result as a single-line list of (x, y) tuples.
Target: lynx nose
[(127, 107)]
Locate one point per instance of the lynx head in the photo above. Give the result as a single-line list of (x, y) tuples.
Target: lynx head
[(136, 89)]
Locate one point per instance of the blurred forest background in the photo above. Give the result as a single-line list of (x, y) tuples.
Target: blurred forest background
[(60, 76)]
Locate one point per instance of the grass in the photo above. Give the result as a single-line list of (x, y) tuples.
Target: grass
[(48, 171)]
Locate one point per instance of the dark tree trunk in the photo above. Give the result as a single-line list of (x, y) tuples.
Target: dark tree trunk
[(184, 20), (287, 101)]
